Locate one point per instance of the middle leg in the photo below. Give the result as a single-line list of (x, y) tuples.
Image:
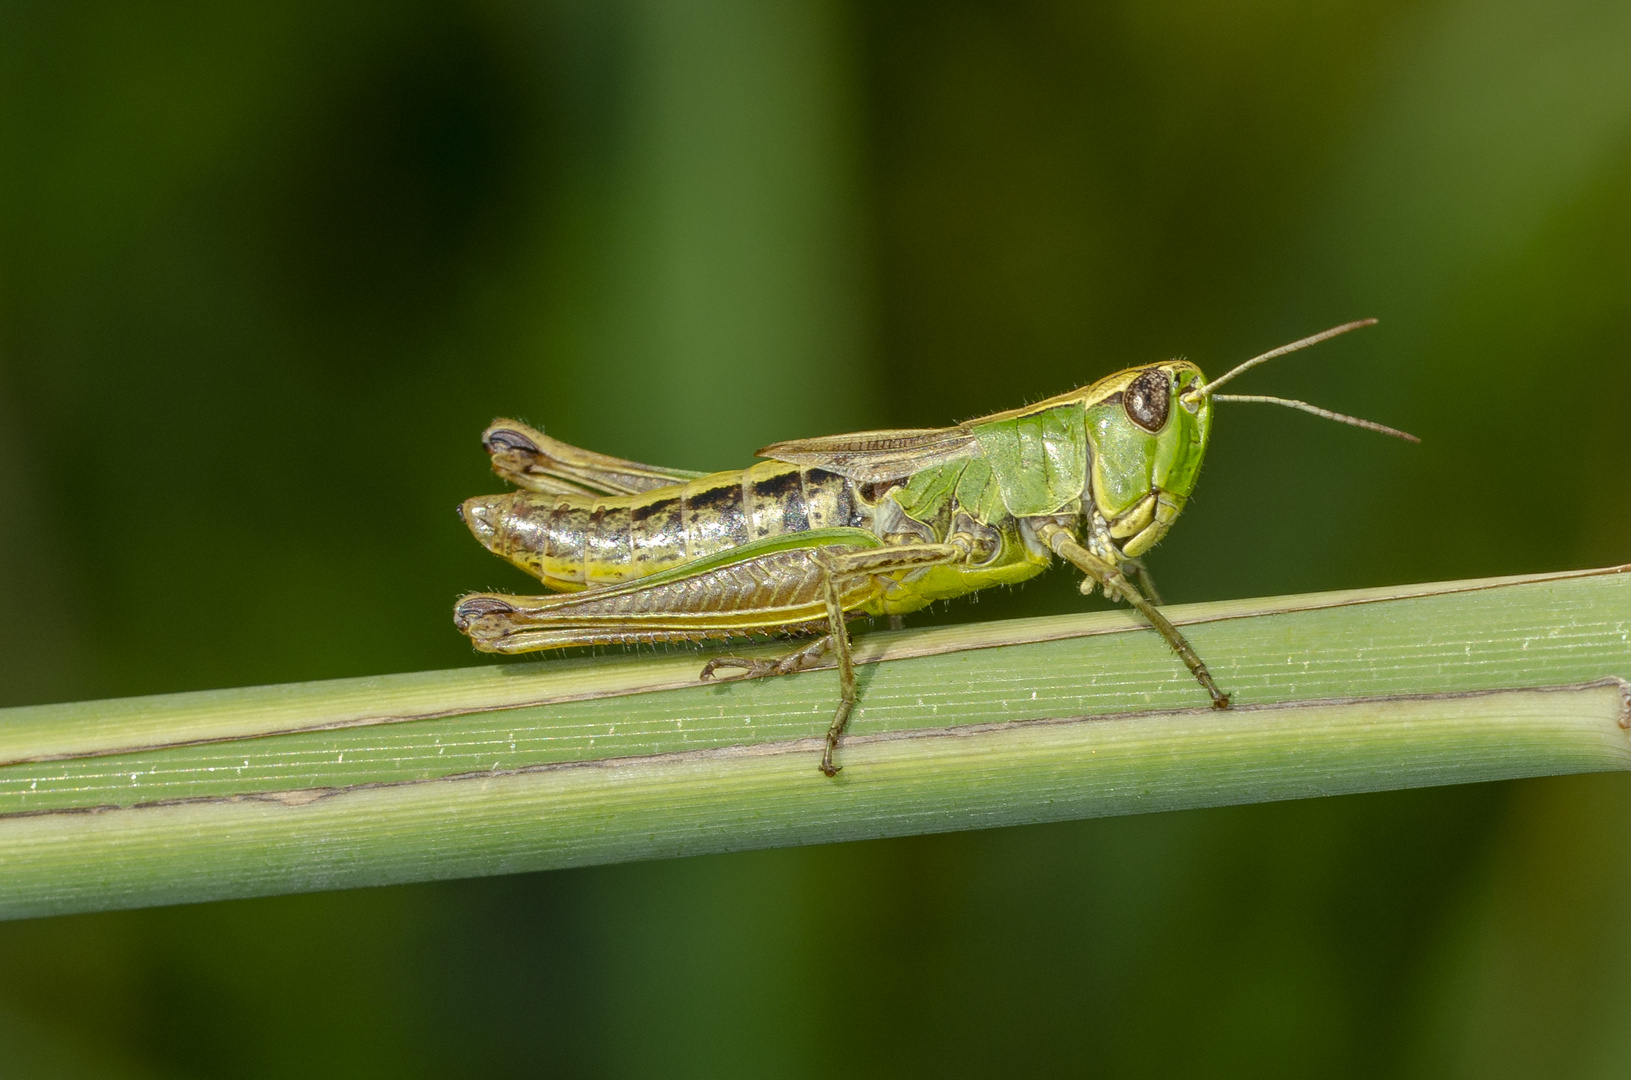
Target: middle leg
[(843, 576)]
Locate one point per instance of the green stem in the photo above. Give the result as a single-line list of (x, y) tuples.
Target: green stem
[(568, 762)]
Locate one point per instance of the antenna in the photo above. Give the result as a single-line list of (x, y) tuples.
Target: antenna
[(1302, 406), (1315, 339)]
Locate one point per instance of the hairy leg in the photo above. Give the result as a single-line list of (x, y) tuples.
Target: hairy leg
[(1116, 586), (840, 571)]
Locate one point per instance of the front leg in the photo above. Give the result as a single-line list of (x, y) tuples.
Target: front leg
[(1116, 586), (1145, 582)]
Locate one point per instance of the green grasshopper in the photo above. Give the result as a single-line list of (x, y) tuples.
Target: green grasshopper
[(879, 523)]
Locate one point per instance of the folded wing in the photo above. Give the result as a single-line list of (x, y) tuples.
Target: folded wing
[(528, 458), (874, 456)]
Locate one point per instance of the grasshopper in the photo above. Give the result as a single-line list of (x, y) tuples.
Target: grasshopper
[(879, 523)]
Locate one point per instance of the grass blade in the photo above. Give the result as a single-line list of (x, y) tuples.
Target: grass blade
[(513, 767)]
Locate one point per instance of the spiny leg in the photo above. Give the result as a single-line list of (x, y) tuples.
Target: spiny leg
[(836, 640), (754, 667), (839, 635), (1180, 644), (839, 570), (1145, 582), (839, 567), (1066, 547)]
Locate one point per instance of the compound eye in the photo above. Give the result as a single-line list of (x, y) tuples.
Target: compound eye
[(1147, 400)]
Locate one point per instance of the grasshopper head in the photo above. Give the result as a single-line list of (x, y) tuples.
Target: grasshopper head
[(1148, 429), (1149, 426)]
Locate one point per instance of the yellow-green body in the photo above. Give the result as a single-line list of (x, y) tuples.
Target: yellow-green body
[(659, 554)]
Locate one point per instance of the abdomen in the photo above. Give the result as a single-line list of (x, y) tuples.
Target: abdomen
[(573, 542)]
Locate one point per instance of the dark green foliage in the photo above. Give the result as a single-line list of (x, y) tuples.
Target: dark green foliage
[(266, 271)]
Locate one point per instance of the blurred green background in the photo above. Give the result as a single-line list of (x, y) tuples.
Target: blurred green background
[(266, 270)]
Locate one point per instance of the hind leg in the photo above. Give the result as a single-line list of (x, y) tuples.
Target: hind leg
[(840, 573)]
